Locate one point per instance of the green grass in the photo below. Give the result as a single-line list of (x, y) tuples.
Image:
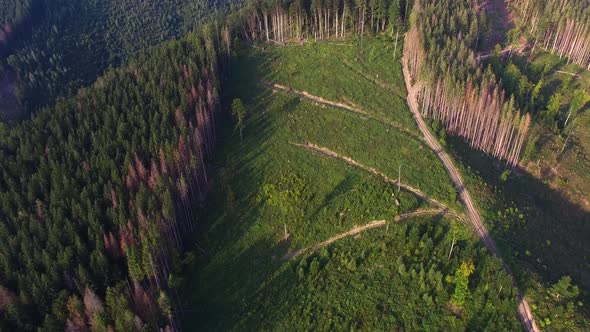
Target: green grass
[(395, 277), (312, 68)]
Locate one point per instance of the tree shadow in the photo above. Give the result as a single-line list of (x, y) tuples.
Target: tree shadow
[(549, 241), (220, 303), (322, 300), (344, 186), (499, 23), (222, 242)]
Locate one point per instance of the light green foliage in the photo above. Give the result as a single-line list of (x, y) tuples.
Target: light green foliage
[(238, 111), (554, 104), (579, 99), (461, 281), (504, 176), (118, 307), (165, 305), (536, 92), (563, 290), (285, 194), (559, 306)]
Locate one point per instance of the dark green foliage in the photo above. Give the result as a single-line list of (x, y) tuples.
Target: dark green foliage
[(542, 236), (97, 191), (70, 43), (13, 12), (451, 31)]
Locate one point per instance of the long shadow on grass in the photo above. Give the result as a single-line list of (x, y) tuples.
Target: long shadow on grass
[(551, 240), (213, 295), (221, 283), (229, 285), (344, 186)]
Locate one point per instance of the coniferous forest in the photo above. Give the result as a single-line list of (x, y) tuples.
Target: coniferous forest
[(67, 44), (467, 99), (98, 192), (561, 27), (294, 165)]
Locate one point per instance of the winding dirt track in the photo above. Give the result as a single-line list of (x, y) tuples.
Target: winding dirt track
[(348, 107), (359, 229), (524, 311), (352, 162)]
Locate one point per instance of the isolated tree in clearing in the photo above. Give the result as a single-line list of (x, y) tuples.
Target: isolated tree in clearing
[(580, 99), (238, 111)]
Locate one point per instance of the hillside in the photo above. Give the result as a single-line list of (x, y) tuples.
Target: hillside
[(90, 234), (294, 165), (68, 44), (398, 274)]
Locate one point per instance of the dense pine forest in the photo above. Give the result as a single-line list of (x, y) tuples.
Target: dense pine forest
[(114, 177), (258, 164), (67, 44)]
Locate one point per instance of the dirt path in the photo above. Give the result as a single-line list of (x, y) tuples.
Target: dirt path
[(519, 49), (524, 311), (374, 80), (348, 107), (359, 229), (350, 161)]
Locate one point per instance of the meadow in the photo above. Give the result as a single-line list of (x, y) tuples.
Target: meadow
[(273, 197)]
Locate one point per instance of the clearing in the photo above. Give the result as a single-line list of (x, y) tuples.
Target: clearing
[(308, 174)]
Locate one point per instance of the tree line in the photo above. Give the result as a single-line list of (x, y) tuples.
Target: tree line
[(562, 27), (99, 191), (279, 21), (470, 102)]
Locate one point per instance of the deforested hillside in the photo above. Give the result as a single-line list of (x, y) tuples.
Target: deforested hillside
[(99, 192), (293, 165), (309, 228)]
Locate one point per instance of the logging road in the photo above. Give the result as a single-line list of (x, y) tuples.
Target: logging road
[(359, 229), (350, 161), (524, 311), (348, 107)]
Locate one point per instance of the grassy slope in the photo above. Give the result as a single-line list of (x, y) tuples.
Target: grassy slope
[(385, 278)]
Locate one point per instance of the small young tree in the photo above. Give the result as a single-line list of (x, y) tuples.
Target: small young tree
[(238, 111), (579, 99)]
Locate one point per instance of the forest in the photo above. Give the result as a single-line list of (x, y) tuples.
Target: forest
[(115, 177), (454, 89), (68, 44), (561, 27), (257, 165)]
